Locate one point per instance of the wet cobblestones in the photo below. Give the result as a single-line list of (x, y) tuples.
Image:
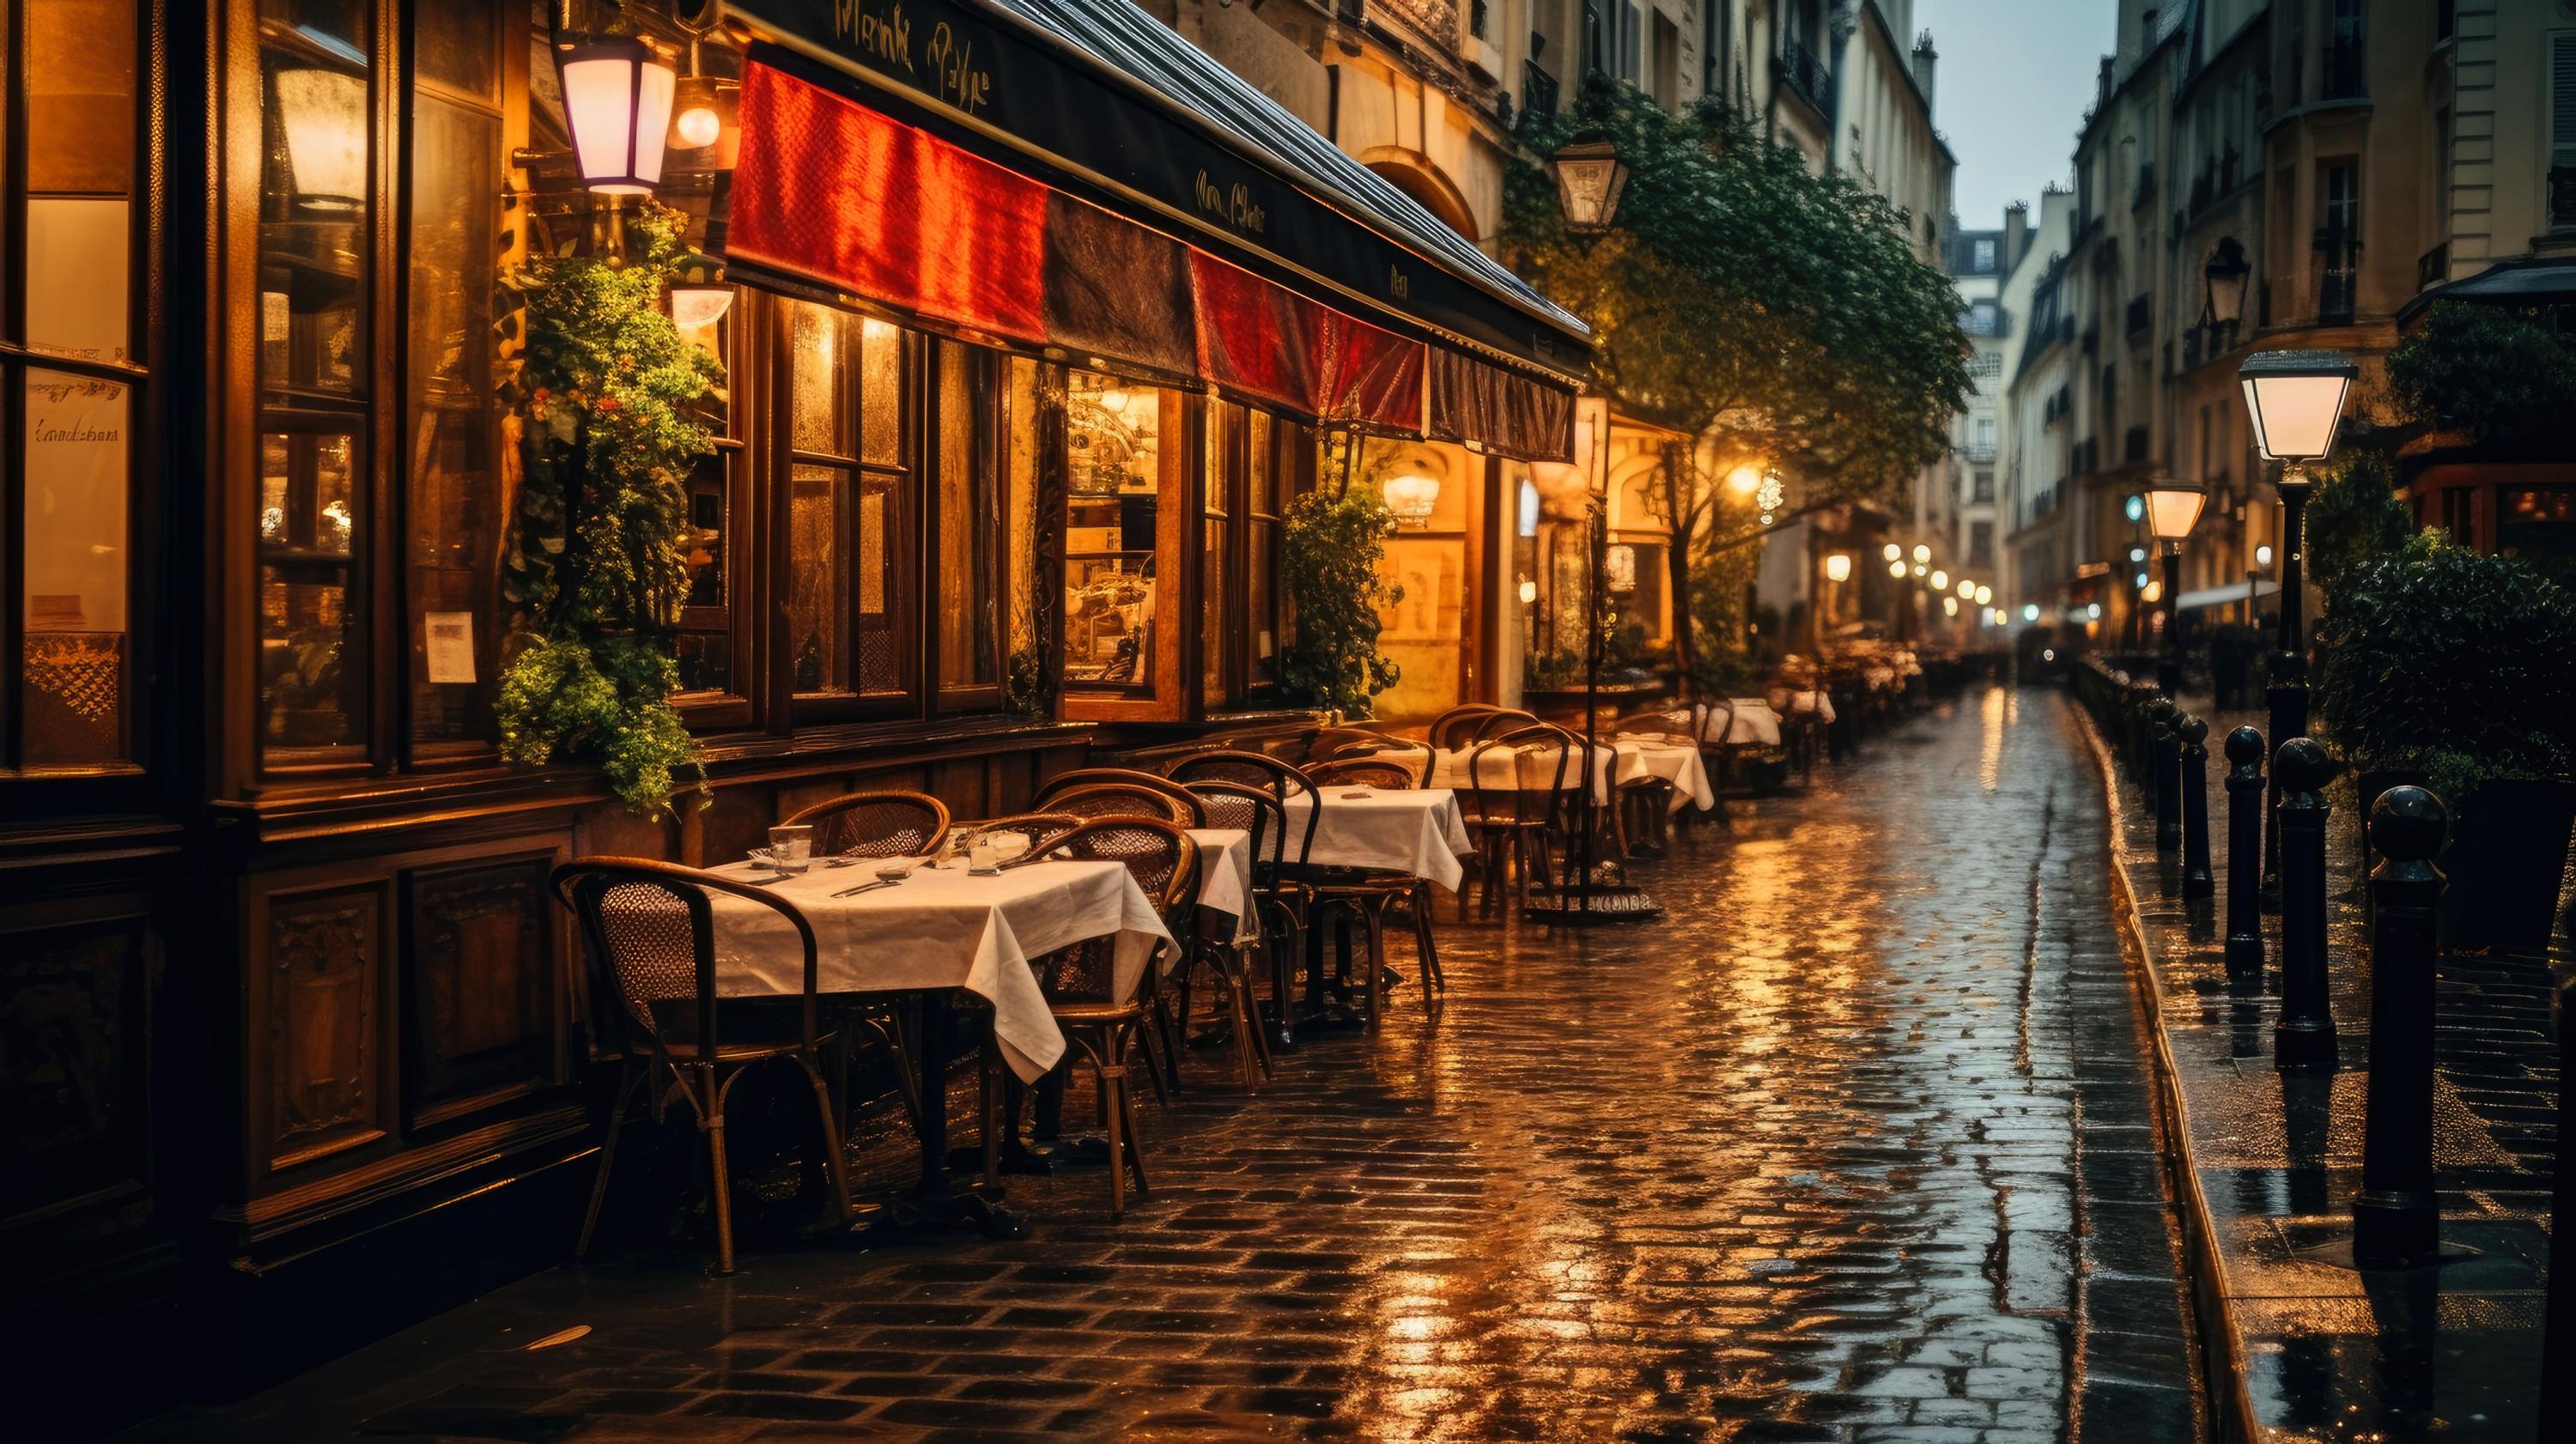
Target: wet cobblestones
[(1856, 1145)]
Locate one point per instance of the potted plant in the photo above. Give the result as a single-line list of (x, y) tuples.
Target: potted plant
[(2452, 667)]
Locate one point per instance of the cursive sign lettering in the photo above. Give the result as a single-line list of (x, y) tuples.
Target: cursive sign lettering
[(881, 31), (953, 73), (1232, 205)]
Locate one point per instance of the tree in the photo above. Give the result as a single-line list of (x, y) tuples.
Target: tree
[(1779, 315), (2484, 371)]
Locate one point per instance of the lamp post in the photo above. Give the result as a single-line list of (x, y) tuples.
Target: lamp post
[(2295, 399), (2172, 509), (1589, 179)]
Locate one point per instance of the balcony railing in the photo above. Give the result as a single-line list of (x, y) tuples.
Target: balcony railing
[(2433, 267), (2338, 276), (1538, 91), (1804, 72), (1981, 455)]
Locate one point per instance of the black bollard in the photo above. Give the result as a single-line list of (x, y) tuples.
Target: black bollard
[(2558, 1327), (2244, 849), (2168, 763), (2396, 1222), (2305, 1036), (2196, 881)]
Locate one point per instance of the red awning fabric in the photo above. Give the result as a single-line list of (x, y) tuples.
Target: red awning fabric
[(830, 190), (855, 199), (1507, 414)]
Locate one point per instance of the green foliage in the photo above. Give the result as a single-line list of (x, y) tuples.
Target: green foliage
[(2483, 370), (1330, 545), (2353, 521), (1722, 572), (2440, 660), (1737, 291), (597, 562)]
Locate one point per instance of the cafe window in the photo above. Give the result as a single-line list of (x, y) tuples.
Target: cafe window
[(968, 620), (71, 705), (1226, 437), (453, 444), (1239, 552), (712, 692), (1116, 437), (852, 621), (316, 224)]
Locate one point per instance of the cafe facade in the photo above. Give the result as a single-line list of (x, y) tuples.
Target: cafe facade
[(1032, 321)]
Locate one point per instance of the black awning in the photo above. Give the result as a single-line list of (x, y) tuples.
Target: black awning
[(1102, 100)]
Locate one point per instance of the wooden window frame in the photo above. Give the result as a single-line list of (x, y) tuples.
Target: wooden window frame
[(122, 782), (986, 370)]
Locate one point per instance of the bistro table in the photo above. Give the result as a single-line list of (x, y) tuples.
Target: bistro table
[(936, 931), (1416, 831), (1622, 759), (1225, 878)]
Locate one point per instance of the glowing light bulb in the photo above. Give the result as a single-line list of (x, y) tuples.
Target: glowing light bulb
[(698, 127)]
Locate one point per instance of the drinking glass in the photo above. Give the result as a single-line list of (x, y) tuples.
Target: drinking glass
[(792, 847), (1010, 846)]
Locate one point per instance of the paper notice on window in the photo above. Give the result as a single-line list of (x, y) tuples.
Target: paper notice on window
[(451, 645)]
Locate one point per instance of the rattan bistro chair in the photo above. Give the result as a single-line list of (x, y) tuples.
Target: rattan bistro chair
[(1040, 828), (1096, 798), (1451, 729), (1258, 815), (877, 824), (648, 929), (1080, 981), (1363, 772)]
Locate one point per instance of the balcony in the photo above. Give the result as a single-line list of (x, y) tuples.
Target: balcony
[(2433, 267), (1805, 74), (1538, 91), (2338, 275)]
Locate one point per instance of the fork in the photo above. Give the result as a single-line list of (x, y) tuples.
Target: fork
[(867, 887)]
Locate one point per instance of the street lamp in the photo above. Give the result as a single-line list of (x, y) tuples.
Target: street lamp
[(617, 104), (1896, 569), (1837, 567), (1940, 581), (1922, 553), (2223, 300), (1589, 178), (2172, 508), (2295, 399)]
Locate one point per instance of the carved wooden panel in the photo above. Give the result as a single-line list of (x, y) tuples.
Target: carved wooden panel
[(325, 957), (484, 1016), (75, 1045)]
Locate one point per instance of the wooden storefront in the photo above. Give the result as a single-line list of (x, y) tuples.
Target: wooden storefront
[(292, 1036)]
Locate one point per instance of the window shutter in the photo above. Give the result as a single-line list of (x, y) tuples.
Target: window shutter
[(2562, 99)]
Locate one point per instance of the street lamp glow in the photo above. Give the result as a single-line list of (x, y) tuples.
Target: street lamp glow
[(1589, 178), (2030, 611), (2137, 554), (2141, 582), (1922, 553), (1896, 569), (617, 104), (1949, 606), (2135, 508), (2296, 401), (1838, 567), (2263, 556), (1940, 581), (1412, 497), (2093, 611), (1744, 480), (1891, 551), (1985, 594), (1918, 569), (1529, 591), (2154, 593), (2172, 509)]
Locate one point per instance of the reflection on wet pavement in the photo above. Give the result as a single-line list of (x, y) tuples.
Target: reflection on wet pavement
[(1856, 1144)]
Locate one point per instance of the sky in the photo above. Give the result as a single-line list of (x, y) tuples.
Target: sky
[(2014, 78)]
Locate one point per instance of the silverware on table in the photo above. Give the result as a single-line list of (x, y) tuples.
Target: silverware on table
[(867, 887)]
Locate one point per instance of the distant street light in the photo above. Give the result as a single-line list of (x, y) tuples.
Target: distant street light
[(1837, 567), (2172, 509)]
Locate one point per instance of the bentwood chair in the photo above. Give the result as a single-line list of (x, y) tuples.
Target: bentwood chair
[(1510, 825), (1097, 792), (1363, 772), (1502, 722), (1333, 743), (1284, 875), (1258, 816), (648, 929), (1450, 730), (1080, 982), (877, 824)]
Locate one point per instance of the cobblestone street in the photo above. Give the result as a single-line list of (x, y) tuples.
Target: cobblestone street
[(1856, 1144)]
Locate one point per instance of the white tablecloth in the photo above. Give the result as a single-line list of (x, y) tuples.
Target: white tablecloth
[(1225, 877), (1501, 769), (1752, 722), (1676, 762), (1817, 701), (939, 929), (1420, 832)]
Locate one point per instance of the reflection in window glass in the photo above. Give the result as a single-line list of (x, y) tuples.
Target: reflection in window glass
[(705, 644), (453, 450), (1113, 433), (313, 285), (880, 392), (76, 457), (311, 691), (969, 595), (1224, 435), (818, 597), (818, 400), (1260, 547), (881, 541)]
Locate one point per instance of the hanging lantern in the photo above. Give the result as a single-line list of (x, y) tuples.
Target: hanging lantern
[(324, 115), (617, 101), (1412, 498), (1589, 178), (699, 297)]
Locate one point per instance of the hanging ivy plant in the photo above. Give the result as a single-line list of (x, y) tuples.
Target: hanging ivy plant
[(1330, 546), (598, 561)]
